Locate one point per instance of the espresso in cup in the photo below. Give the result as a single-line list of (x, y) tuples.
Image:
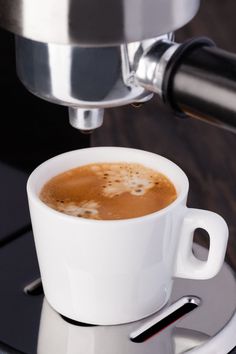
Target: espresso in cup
[(117, 271), (109, 191)]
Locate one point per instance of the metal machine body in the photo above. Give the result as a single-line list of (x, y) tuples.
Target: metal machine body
[(94, 23), (84, 54), (87, 80), (99, 54)]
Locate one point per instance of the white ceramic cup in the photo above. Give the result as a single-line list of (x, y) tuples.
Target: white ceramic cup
[(118, 271)]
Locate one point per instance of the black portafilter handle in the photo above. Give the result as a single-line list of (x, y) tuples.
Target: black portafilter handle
[(200, 81)]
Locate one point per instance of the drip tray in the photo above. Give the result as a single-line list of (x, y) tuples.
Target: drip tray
[(199, 318), (188, 324)]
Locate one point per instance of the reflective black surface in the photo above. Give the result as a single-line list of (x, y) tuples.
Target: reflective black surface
[(20, 313)]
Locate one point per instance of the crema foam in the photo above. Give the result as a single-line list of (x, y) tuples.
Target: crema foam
[(109, 191)]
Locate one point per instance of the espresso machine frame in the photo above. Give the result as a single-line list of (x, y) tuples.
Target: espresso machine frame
[(90, 56)]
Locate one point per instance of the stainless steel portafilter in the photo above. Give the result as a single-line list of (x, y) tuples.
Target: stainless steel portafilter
[(90, 55)]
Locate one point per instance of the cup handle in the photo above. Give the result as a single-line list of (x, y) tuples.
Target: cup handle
[(187, 265)]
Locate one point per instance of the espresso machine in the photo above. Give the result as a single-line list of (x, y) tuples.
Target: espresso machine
[(93, 55), (89, 56)]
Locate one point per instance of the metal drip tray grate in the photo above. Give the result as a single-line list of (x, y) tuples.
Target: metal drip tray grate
[(165, 318)]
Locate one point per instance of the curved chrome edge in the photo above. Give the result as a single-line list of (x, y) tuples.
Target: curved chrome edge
[(93, 22)]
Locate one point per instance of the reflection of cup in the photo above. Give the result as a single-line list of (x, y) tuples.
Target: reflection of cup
[(111, 272), (58, 336)]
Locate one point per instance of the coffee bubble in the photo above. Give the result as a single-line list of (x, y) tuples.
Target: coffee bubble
[(136, 180), (86, 209)]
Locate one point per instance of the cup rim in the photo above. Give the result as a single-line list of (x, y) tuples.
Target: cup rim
[(32, 195)]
